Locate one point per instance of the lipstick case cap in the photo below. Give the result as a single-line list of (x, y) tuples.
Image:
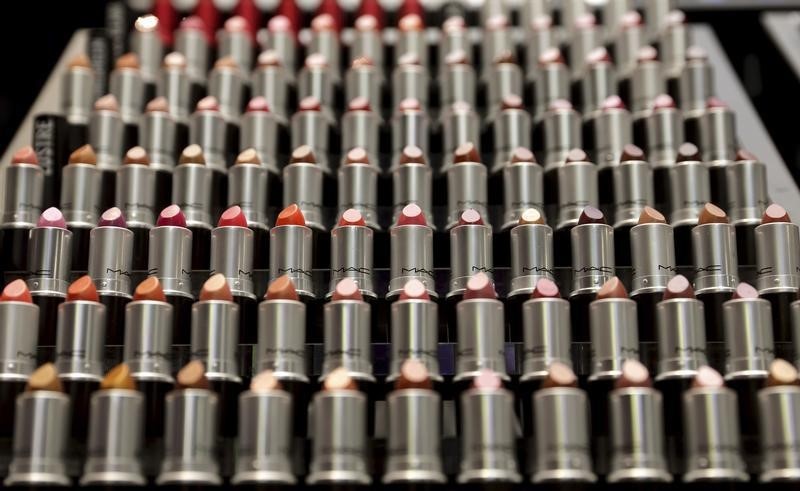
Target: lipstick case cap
[(779, 413)]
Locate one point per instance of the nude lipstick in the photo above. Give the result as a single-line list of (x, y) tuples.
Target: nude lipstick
[(411, 242), (778, 408), (261, 131), (175, 90), (303, 182), (81, 181), (159, 136), (227, 85), (361, 129), (523, 186), (108, 141), (664, 135), (49, 260), (311, 129), (77, 96), (358, 186), (136, 192), (247, 189), (24, 185), (271, 80), (208, 131), (127, 86), (192, 185)]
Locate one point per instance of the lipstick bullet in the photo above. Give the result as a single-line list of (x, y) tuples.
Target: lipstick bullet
[(504, 81), (136, 189), (235, 40), (716, 266), (192, 42), (664, 135), (612, 130), (749, 351), (147, 351), (411, 183), (270, 80), (552, 82), (107, 139), (24, 186), (410, 80), (411, 38), (540, 36), (40, 435), (351, 257), (226, 84), (746, 182), (339, 457), (778, 405), (777, 243), (414, 332), (190, 431), (248, 189), (367, 44), (116, 432), (488, 446), (710, 413), (325, 41), (281, 38), (598, 84), (191, 191), (312, 129), (146, 42), (511, 127), (127, 86), (689, 192), (562, 132), (208, 130), (614, 337), (412, 252), (159, 135), (79, 354), (673, 42), (77, 96), (633, 192), (457, 79), (467, 184), (265, 445), (577, 189), (695, 88), (19, 318), (414, 445), (409, 128), (80, 199), (718, 141)]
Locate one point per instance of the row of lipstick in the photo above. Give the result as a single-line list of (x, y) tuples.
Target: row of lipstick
[(628, 438)]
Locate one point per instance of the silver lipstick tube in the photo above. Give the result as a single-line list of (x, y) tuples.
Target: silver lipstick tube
[(238, 45), (458, 84), (116, 429), (592, 257), (281, 339), (749, 343), (215, 338), (80, 194), (170, 258), (410, 81), (128, 87), (327, 44), (690, 190), (413, 42), (302, 185), (18, 321), (747, 190), (672, 46), (312, 128), (531, 257), (664, 135), (150, 50), (512, 129), (456, 39), (504, 79), (110, 260), (467, 187), (148, 340), (577, 189), (339, 426), (135, 196), (412, 183), (174, 85), (414, 334), (613, 130), (232, 256), (633, 190), (265, 438), (711, 418), (347, 339), (613, 11), (584, 40), (614, 336), (351, 257), (411, 258), (80, 340), (191, 190), (626, 48), (715, 260), (105, 136), (551, 85), (272, 83), (470, 253), (481, 340), (247, 188), (49, 260), (192, 44), (283, 42), (77, 95), (40, 440), (488, 444), (652, 257), (318, 82), (523, 185), (696, 86), (459, 127), (777, 258), (494, 43), (362, 129), (260, 131), (207, 129), (795, 312), (190, 439), (599, 83), (647, 82), (637, 436), (779, 412), (409, 128), (367, 43), (290, 252), (718, 134), (562, 133), (546, 336), (23, 196), (681, 335), (364, 81), (563, 452), (414, 437), (157, 135), (538, 40)]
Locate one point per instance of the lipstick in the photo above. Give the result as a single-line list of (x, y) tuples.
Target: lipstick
[(265, 442), (749, 351), (470, 252), (311, 129), (598, 84), (412, 252), (718, 141), (409, 128), (232, 257), (364, 80), (626, 43), (633, 192), (552, 82), (577, 189), (710, 413), (235, 40), (208, 130), (612, 129), (77, 96), (192, 191), (778, 405), (690, 190), (40, 435), (511, 126), (664, 135), (270, 80), (457, 79), (247, 183), (467, 184), (414, 445), (681, 337), (190, 431), (411, 38), (107, 138), (227, 85), (673, 42), (159, 135), (540, 36), (586, 36), (316, 81), (361, 129), (146, 43), (80, 199), (695, 88), (563, 452), (414, 332), (339, 457), (614, 337), (215, 338), (303, 186), (136, 189), (147, 351), (291, 247), (281, 37), (716, 266), (504, 81), (116, 432), (79, 353), (522, 186), (746, 182), (261, 132), (192, 42), (646, 83), (127, 86), (562, 132), (19, 318), (496, 41), (325, 41), (24, 185), (488, 440), (411, 183), (367, 44), (410, 80)]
